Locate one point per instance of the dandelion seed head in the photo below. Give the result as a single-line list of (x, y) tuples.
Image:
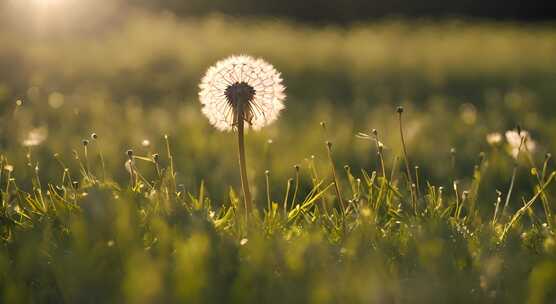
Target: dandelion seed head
[(515, 139), (241, 83), (494, 138), (35, 137)]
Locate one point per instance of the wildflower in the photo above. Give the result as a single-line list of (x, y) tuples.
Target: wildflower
[(241, 86), (380, 145), (520, 141), (494, 139), (9, 168), (146, 143), (35, 137), (239, 90)]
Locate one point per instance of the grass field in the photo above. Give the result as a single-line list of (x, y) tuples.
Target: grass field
[(477, 226)]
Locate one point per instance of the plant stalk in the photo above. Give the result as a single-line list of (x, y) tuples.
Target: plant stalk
[(242, 165)]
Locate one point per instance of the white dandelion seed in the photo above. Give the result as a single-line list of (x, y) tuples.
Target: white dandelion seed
[(520, 142), (241, 86)]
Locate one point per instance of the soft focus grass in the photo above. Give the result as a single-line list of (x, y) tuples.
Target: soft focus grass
[(177, 235)]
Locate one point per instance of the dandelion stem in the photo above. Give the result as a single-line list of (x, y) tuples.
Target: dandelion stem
[(508, 196), (406, 159), (102, 163), (336, 184), (87, 168), (514, 174), (266, 175), (296, 167), (315, 179), (497, 206), (379, 149), (286, 197), (242, 165)]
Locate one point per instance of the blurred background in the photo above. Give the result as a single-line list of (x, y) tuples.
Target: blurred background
[(129, 71)]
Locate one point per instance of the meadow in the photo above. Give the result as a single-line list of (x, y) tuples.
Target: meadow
[(335, 219)]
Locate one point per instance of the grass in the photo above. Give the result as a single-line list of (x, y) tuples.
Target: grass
[(347, 212), (84, 238)]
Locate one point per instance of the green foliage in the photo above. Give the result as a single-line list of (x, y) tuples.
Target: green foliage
[(86, 222), (86, 239)]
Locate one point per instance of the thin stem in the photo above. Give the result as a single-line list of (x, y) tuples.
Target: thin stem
[(379, 149), (406, 159), (315, 179), (87, 168), (266, 174), (497, 206), (417, 184), (171, 189), (336, 185), (286, 197), (242, 165), (514, 174), (508, 196), (540, 179), (456, 192), (103, 166), (296, 185)]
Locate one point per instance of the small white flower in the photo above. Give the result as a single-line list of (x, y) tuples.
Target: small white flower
[(146, 143), (494, 139), (520, 142), (35, 137), (241, 83)]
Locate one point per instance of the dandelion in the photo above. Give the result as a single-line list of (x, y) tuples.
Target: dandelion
[(494, 139), (520, 141), (239, 92), (35, 137), (241, 87), (379, 144)]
